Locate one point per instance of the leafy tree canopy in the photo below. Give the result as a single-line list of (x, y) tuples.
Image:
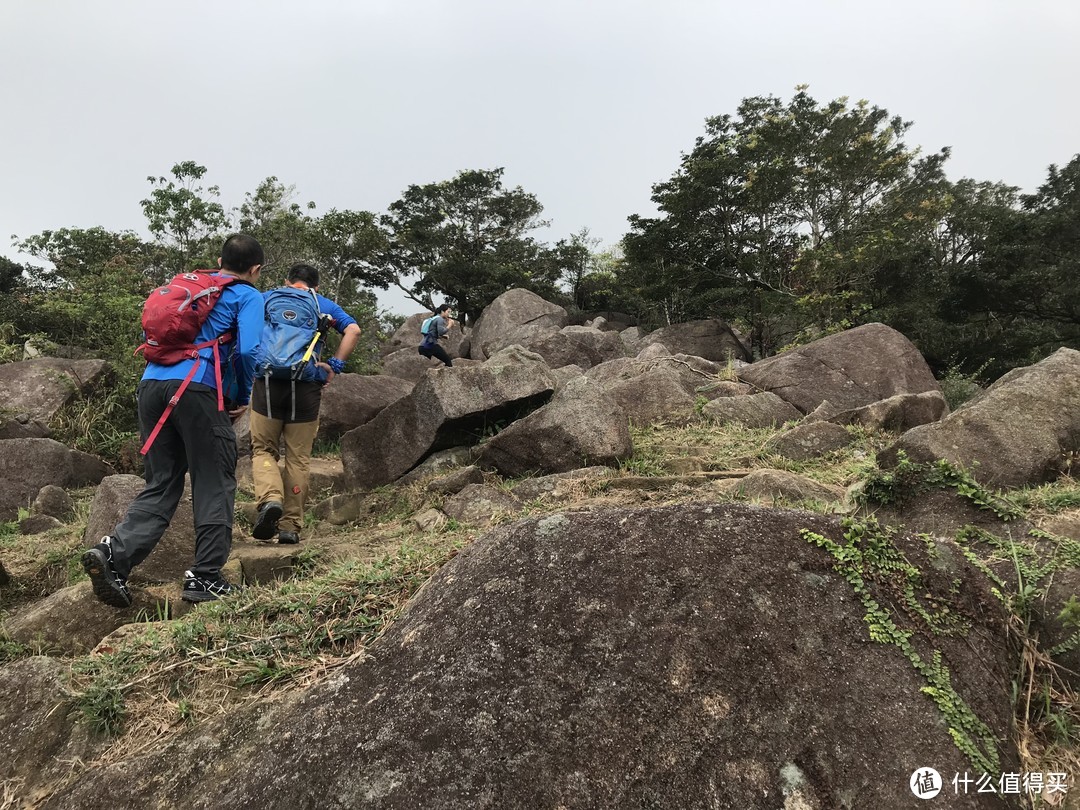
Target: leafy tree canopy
[(185, 218), (779, 217), (468, 239)]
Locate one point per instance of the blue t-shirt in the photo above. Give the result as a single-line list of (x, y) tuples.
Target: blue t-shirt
[(238, 310)]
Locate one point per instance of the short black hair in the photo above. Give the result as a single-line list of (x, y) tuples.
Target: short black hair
[(443, 308), (241, 252), (304, 273)]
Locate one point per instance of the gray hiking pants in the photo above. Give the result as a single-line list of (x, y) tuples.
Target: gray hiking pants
[(196, 438)]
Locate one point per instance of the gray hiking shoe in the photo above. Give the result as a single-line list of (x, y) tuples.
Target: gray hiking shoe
[(109, 587)]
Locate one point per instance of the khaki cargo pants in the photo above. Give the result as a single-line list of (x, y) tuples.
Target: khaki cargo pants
[(294, 440)]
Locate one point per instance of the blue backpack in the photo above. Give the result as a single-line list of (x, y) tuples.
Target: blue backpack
[(292, 330), (429, 331)]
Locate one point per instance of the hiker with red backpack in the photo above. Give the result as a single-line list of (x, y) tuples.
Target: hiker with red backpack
[(202, 336), (289, 379)]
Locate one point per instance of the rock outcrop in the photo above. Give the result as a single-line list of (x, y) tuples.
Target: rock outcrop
[(613, 659), (352, 400), (175, 551), (1023, 430), (849, 369), (40, 388), (712, 339), (447, 408), (27, 465), (581, 426), (516, 316)]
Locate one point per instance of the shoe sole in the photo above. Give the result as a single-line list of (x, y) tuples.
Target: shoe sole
[(96, 566), (199, 596), (267, 525), (286, 542)]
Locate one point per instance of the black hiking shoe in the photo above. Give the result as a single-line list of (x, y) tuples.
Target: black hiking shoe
[(266, 526), (109, 587), (199, 588), (288, 538)]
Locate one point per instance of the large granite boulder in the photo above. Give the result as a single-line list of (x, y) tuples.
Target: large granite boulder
[(899, 413), (516, 316), (811, 440), (582, 426), (581, 346), (561, 486), (22, 426), (27, 465), (410, 365), (761, 410), (173, 554), (711, 338), (657, 395), (352, 400), (771, 486), (54, 501), (71, 621), (849, 369), (40, 388), (453, 482), (695, 656), (697, 375), (480, 504), (1023, 430), (39, 733), (449, 407)]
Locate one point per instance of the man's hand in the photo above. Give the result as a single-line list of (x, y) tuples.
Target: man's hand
[(329, 372), (236, 413)]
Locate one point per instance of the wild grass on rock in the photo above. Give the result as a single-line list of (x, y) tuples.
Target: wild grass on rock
[(285, 633)]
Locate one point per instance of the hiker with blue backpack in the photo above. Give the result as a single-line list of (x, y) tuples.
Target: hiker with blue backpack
[(288, 391), (202, 332), (433, 330)]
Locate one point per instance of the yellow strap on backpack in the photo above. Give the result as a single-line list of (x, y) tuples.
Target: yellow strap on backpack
[(311, 347), (320, 331)]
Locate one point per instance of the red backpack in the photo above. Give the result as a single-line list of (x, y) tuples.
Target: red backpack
[(171, 319)]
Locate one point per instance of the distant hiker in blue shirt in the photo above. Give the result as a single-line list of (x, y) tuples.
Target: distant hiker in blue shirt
[(434, 329), (288, 391), (196, 350)]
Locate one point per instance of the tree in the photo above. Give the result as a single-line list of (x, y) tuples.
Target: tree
[(576, 260), (12, 283), (77, 254), (94, 291), (281, 226), (11, 275), (861, 194), (185, 218), (466, 239), (930, 284), (779, 217), (1023, 294), (346, 245)]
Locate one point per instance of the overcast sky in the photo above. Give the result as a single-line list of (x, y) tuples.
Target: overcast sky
[(585, 104)]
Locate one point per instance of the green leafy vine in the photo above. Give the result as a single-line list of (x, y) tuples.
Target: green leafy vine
[(869, 555)]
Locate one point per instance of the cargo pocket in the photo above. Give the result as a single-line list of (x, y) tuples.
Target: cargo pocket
[(225, 450)]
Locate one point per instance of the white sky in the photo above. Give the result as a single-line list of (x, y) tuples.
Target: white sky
[(586, 104)]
